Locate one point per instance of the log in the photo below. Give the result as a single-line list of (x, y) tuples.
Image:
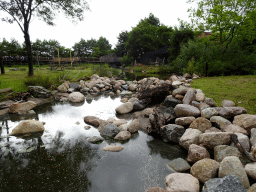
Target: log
[(233, 138)]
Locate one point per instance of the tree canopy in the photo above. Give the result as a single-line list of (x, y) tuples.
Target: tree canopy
[(226, 18), (23, 11)]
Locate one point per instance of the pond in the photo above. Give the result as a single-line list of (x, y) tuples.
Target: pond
[(62, 160)]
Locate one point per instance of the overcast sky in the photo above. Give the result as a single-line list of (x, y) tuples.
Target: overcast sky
[(106, 18)]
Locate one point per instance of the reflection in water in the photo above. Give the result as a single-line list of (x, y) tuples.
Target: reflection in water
[(62, 160)]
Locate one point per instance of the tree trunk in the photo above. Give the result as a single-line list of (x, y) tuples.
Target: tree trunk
[(2, 65), (29, 51)]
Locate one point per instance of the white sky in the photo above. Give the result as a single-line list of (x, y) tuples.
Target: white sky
[(107, 18)]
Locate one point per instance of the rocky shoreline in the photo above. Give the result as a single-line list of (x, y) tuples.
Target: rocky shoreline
[(221, 141)]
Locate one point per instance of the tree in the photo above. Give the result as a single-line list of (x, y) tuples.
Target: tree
[(146, 37), (120, 49), (103, 45), (23, 11), (223, 17)]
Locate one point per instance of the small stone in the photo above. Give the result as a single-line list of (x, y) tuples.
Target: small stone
[(179, 165), (114, 148), (196, 153)]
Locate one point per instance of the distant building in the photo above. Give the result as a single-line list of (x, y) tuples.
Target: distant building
[(204, 34)]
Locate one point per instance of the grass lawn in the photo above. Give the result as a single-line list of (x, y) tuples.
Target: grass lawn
[(239, 89)]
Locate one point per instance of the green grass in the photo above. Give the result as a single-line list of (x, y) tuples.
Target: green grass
[(18, 81), (239, 89)]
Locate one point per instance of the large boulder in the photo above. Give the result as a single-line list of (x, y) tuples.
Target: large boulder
[(39, 91), (196, 153), (227, 103), (184, 120), (205, 169), (244, 141), (210, 140), (225, 184), (172, 133), (222, 151), (179, 165), (220, 122), (238, 120), (171, 101), (228, 112), (180, 91), (183, 110), (200, 97), (21, 108), (123, 135), (191, 136), (109, 131), (249, 122), (134, 126), (94, 121), (76, 97), (201, 123), (125, 108), (209, 112), (234, 129), (181, 182), (28, 126), (210, 102), (250, 169), (189, 97), (231, 165)]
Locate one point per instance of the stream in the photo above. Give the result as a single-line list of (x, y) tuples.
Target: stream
[(61, 159)]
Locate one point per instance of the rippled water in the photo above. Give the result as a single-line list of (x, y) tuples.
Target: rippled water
[(62, 160)]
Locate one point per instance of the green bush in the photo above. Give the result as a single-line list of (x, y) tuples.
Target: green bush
[(39, 80), (127, 60)]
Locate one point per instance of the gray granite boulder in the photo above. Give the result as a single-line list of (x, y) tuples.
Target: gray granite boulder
[(210, 140), (113, 148), (123, 135), (210, 102), (172, 133), (219, 122), (250, 169), (230, 183), (227, 103), (228, 112), (189, 97), (94, 121), (181, 182), (231, 165), (39, 91), (222, 151), (125, 108), (28, 126), (209, 112), (196, 153), (253, 136), (76, 97), (179, 165), (191, 136), (234, 129), (180, 91), (109, 130), (205, 169), (201, 123), (183, 110), (171, 101), (238, 120), (244, 141), (21, 108), (184, 120), (95, 139)]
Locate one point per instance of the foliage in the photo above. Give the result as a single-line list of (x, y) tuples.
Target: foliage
[(226, 18), (178, 37), (104, 70), (127, 60), (147, 36), (39, 80), (120, 49), (12, 48), (22, 12)]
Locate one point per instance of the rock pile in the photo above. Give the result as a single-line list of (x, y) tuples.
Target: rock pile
[(188, 118)]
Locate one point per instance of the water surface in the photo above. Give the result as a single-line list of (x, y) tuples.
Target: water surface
[(62, 160)]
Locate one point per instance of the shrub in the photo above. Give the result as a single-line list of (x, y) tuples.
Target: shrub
[(39, 80)]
